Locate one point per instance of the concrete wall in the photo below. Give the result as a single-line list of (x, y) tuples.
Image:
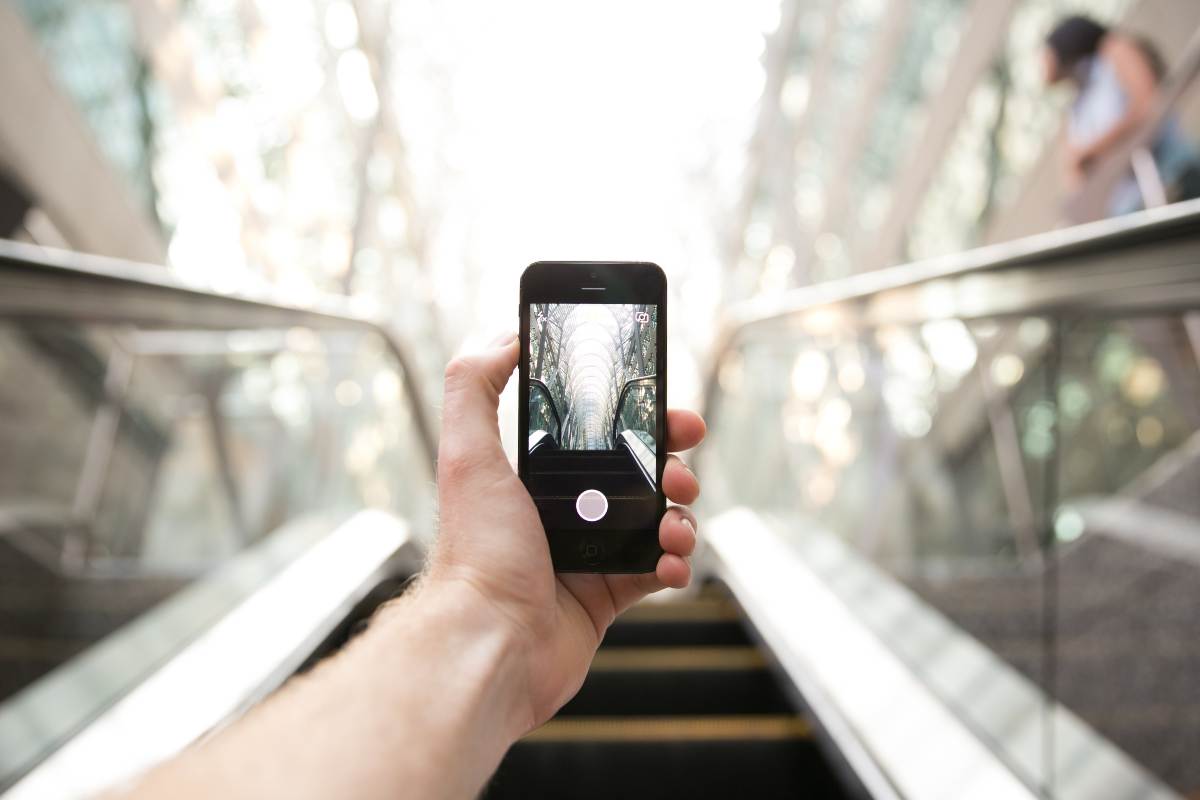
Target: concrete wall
[(47, 146)]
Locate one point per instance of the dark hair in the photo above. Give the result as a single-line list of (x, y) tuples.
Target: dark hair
[(1074, 39)]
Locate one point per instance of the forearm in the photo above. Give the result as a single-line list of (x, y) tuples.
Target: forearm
[(1127, 126), (1113, 137), (424, 704)]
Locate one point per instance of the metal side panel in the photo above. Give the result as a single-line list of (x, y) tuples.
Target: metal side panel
[(234, 663), (923, 734), (899, 738)]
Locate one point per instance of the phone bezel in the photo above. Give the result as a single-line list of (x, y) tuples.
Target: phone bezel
[(620, 551)]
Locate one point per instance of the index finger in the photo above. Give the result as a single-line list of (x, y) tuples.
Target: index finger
[(685, 429)]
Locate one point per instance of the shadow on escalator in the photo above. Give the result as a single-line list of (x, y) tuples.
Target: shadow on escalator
[(387, 589)]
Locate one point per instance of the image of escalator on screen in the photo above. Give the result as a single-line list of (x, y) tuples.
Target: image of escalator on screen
[(592, 381)]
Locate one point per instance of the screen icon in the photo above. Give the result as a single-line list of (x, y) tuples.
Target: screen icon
[(643, 317)]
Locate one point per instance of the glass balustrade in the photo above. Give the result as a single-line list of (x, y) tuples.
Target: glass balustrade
[(545, 426), (154, 474), (636, 411), (1031, 486)]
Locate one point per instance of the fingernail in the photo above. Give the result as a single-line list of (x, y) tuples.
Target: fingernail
[(504, 339), (687, 521)]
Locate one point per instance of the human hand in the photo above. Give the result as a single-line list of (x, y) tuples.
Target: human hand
[(1077, 163), (492, 540)]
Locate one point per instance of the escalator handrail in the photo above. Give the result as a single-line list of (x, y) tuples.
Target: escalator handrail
[(313, 573), (540, 384), (49, 283), (1082, 251), (621, 401), (1073, 246), (643, 457), (827, 652)]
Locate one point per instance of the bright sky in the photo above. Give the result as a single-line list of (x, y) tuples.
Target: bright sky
[(531, 130), (553, 130)]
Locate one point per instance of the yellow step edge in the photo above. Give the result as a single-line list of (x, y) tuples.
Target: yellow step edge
[(677, 658), (669, 729), (702, 610)]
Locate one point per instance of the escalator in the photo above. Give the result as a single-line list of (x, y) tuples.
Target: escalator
[(615, 472), (624, 470), (680, 701), (174, 461), (629, 453), (989, 463), (47, 619), (949, 530)]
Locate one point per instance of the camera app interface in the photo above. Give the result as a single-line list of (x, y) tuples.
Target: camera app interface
[(593, 414)]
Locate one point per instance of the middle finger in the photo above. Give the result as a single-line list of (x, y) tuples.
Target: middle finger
[(679, 482)]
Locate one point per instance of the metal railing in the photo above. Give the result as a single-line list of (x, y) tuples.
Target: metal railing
[(921, 439), (147, 313), (540, 386), (165, 681), (621, 397), (122, 384), (43, 282)]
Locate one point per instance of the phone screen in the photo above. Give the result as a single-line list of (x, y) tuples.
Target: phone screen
[(593, 422)]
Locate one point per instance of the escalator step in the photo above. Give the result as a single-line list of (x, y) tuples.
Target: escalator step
[(657, 692), (665, 757), (678, 703), (672, 728), (633, 632), (700, 609), (612, 482), (678, 658)]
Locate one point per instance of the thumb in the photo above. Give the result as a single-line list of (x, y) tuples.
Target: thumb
[(470, 432)]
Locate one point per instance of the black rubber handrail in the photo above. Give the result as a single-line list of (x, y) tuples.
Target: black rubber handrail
[(621, 401), (538, 383)]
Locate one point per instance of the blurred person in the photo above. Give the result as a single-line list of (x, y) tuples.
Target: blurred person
[(487, 645), (1117, 78)]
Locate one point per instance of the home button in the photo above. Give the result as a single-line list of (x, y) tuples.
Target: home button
[(591, 505), (591, 551)]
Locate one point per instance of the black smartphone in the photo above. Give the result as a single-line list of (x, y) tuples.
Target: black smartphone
[(592, 431)]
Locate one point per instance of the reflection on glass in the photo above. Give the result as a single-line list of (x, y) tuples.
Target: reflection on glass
[(880, 437), (156, 455), (1127, 527), (1014, 473)]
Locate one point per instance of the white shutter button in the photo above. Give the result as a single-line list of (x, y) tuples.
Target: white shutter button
[(591, 505)]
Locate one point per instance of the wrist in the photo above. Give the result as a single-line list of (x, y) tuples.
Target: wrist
[(470, 643)]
